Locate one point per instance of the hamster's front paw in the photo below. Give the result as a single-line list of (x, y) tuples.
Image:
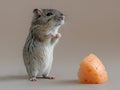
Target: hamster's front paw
[(58, 35)]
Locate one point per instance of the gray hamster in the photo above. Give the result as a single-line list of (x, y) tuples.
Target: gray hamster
[(42, 38)]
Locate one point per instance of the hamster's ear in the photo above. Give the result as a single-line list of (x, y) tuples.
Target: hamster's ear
[(37, 12)]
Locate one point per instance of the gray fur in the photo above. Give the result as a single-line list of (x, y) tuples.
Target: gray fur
[(39, 45)]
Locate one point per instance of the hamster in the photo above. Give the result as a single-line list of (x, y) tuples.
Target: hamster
[(41, 40)]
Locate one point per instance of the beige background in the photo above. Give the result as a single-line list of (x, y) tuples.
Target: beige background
[(92, 26)]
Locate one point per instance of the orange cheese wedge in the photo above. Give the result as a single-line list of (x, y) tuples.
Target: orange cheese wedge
[(92, 71)]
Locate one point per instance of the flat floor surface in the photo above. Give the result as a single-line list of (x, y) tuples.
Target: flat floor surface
[(66, 79)]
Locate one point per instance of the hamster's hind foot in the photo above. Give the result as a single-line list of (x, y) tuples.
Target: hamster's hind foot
[(34, 79)]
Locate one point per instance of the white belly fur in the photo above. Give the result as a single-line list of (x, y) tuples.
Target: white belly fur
[(46, 54)]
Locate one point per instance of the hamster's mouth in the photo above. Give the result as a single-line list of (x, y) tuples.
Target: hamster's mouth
[(61, 17), (60, 20), (60, 23)]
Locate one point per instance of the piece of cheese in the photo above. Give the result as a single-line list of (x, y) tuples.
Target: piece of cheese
[(92, 71)]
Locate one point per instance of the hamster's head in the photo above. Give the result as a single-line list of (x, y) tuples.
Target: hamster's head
[(48, 18)]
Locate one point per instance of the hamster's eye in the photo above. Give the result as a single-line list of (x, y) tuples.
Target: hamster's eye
[(49, 14)]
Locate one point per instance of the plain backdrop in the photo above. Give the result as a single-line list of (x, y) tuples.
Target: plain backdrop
[(92, 26)]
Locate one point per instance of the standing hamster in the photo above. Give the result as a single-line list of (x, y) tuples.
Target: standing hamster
[(42, 38)]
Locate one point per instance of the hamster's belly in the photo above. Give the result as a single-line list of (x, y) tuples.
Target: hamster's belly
[(45, 57)]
